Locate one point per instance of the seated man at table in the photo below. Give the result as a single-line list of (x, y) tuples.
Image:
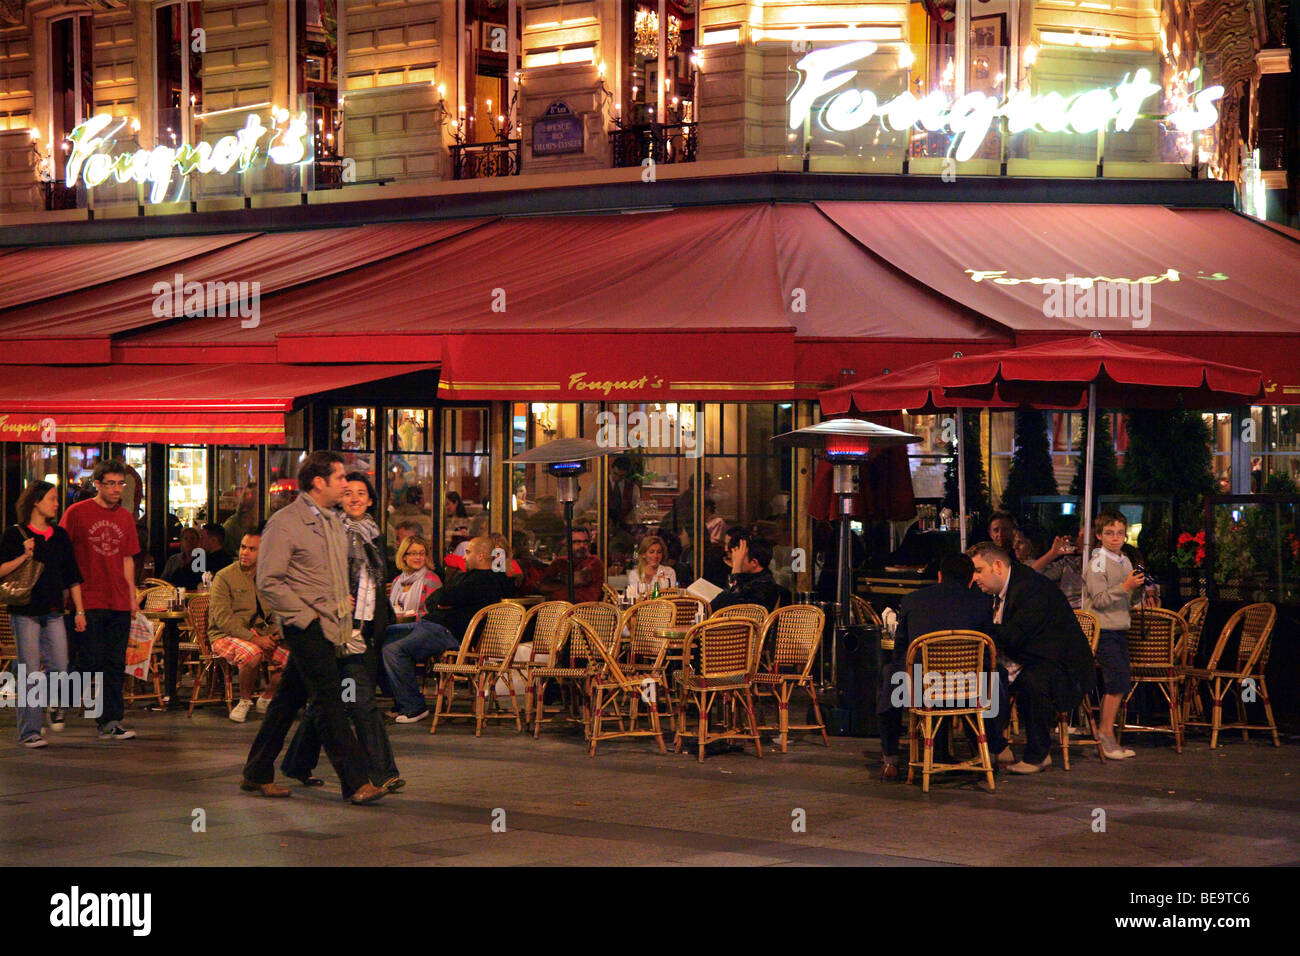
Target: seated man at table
[(952, 604), (450, 609), (751, 576), (238, 630), (588, 574), (1036, 631)]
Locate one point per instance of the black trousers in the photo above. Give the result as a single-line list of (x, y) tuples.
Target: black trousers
[(366, 718), (103, 652), (312, 674), (1042, 691)]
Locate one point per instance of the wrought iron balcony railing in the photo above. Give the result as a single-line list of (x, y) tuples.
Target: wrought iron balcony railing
[(502, 157), (662, 142)]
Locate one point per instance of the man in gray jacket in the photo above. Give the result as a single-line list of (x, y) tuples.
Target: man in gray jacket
[(302, 576)]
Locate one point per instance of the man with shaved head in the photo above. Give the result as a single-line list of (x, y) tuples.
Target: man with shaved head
[(450, 609)]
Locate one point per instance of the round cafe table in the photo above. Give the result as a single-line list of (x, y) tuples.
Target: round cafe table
[(171, 648)]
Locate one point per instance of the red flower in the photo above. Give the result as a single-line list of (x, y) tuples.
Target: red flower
[(1184, 538)]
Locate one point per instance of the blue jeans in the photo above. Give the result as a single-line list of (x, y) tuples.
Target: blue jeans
[(38, 638), (423, 641)]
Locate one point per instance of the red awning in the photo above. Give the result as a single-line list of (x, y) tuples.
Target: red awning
[(275, 261), (236, 404), (1056, 375), (1220, 284), (913, 389)]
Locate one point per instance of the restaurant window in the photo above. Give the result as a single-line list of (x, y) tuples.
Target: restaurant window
[(72, 81), (749, 480), (187, 488), (928, 459), (537, 515), (467, 470), (1221, 448), (282, 464), (237, 493), (178, 71), (353, 433), (316, 41), (40, 463), (80, 464), (1279, 428), (409, 471), (656, 496)]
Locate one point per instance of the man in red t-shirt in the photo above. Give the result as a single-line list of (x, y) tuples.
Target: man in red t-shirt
[(105, 542)]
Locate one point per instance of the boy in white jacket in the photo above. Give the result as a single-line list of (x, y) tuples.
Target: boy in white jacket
[(1111, 588)]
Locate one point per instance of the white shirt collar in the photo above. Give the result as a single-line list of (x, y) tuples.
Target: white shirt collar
[(1114, 556)]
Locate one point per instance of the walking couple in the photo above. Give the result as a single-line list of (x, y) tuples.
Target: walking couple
[(320, 574)]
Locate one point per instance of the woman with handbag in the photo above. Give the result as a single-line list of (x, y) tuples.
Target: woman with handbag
[(37, 565)]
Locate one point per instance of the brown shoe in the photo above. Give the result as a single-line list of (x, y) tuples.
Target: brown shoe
[(367, 793), (888, 771), (265, 789)]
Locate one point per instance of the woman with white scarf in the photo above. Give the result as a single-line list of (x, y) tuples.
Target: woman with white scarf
[(413, 586), (359, 658)]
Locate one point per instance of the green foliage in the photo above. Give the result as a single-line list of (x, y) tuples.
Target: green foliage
[(977, 486), (1281, 483), (1031, 466), (1169, 454), (1105, 470)]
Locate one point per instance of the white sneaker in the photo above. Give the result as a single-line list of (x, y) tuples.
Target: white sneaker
[(263, 704), (403, 719), (1113, 751), (34, 743), (240, 711), (56, 719)]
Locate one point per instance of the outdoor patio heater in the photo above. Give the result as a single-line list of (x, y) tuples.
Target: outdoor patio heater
[(566, 459), (846, 443)]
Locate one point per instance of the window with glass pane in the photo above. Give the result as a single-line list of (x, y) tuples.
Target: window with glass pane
[(40, 463), (408, 429), (409, 488), (237, 493), (282, 477), (352, 429), (928, 459), (81, 461), (1221, 446), (136, 459), (187, 484), (747, 481), (537, 515), (467, 471)]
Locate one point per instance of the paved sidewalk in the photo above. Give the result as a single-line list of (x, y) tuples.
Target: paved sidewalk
[(83, 801)]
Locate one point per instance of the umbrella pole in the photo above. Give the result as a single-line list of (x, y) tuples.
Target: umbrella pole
[(961, 475), (1085, 519)]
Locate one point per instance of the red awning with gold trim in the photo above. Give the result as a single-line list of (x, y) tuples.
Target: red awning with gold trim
[(178, 404)]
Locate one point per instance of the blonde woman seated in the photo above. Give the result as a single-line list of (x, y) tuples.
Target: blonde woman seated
[(412, 587), (641, 580)]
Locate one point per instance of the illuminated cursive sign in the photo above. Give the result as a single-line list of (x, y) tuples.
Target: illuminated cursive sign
[(92, 159), (970, 117), (1000, 277), (578, 382)]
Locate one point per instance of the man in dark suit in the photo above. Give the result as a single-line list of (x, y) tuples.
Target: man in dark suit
[(952, 604), (1035, 627)]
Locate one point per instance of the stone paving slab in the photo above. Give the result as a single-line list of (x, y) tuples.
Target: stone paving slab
[(85, 802)]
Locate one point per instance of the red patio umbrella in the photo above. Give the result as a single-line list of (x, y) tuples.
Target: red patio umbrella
[(1065, 372), (913, 389)]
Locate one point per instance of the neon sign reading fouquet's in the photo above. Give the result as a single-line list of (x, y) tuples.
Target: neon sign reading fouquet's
[(93, 140), (970, 116)]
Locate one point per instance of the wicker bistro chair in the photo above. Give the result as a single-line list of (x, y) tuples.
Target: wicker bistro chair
[(951, 656), (574, 677), (1153, 636), (130, 694), (728, 661), (486, 654), (158, 598), (1256, 622), (545, 618), (1193, 612), (863, 613), (209, 667), (793, 635), (646, 656), (1092, 631), (755, 613), (689, 607), (608, 595), (611, 691), (8, 643)]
